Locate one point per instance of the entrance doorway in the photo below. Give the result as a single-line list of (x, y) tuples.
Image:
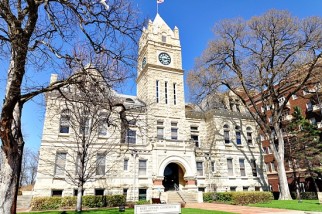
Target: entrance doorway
[(173, 176)]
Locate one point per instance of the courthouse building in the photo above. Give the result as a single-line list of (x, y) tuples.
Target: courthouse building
[(172, 146)]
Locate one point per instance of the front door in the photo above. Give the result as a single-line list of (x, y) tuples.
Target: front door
[(171, 176)]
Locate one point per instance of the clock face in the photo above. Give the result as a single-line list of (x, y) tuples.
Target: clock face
[(164, 58), (143, 62)]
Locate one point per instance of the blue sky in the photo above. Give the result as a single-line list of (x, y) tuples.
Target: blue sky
[(195, 20)]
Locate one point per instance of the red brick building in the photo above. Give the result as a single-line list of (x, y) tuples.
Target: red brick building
[(309, 102)]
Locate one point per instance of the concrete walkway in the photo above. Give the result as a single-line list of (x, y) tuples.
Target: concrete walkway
[(242, 209)]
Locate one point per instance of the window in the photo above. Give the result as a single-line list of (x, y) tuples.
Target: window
[(64, 121), (100, 164), (157, 90), (60, 163), (57, 193), (257, 188), (254, 167), (126, 164), (195, 135), (99, 192), (84, 125), (201, 189), (174, 94), (233, 189), (249, 136), (142, 167), (174, 131), (309, 106), (242, 167), (213, 166), (142, 194), (102, 125), (245, 189), (131, 136), (166, 92), (160, 129), (76, 192), (238, 135), (226, 134), (267, 167), (164, 37), (199, 168), (273, 167), (230, 167), (195, 139), (125, 192), (237, 107)]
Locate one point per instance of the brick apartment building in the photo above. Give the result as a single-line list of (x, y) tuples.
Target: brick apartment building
[(309, 101)]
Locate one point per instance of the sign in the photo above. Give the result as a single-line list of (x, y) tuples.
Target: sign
[(157, 208)]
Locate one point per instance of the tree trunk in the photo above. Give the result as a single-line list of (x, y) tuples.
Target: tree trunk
[(11, 164), (279, 158), (79, 198)]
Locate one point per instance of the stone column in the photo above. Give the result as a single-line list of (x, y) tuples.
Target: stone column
[(157, 187), (190, 183)]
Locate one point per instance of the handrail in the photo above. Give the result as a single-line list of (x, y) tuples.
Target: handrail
[(176, 187)]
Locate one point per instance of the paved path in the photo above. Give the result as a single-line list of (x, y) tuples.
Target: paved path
[(241, 209)]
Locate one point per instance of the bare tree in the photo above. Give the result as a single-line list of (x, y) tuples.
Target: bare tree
[(45, 35), (263, 61), (28, 167)]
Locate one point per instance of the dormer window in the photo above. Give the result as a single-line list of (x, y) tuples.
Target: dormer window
[(129, 100)]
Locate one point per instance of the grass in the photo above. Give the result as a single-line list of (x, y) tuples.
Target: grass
[(306, 205), (130, 211)]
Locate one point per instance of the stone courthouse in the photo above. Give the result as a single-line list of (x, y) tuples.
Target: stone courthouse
[(173, 146)]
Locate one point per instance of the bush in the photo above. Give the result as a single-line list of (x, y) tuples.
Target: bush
[(223, 196), (46, 203), (208, 196), (115, 200), (89, 201), (141, 202), (243, 198), (309, 195), (68, 201), (92, 201)]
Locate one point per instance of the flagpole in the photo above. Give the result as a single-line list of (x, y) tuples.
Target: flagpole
[(157, 7)]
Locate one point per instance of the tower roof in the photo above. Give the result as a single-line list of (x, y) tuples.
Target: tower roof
[(159, 22)]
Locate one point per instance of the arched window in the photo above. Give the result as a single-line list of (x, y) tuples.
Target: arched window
[(226, 133), (238, 135), (64, 121)]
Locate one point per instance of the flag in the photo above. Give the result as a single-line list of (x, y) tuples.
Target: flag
[(160, 1)]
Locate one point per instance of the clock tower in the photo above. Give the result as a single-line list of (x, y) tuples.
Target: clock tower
[(160, 77)]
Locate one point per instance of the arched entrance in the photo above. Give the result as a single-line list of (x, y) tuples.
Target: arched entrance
[(173, 174)]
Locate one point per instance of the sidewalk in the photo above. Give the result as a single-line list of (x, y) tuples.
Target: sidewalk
[(242, 209)]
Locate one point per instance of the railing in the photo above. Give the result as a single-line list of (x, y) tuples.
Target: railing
[(176, 188)]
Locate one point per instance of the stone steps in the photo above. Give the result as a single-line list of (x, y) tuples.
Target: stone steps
[(188, 197), (24, 201)]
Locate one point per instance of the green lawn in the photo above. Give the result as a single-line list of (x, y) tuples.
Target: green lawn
[(131, 211), (306, 205)]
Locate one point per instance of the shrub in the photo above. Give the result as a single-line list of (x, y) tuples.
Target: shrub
[(68, 201), (223, 196), (141, 202), (130, 204), (243, 198), (309, 195), (208, 196), (46, 203), (92, 201), (115, 200)]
